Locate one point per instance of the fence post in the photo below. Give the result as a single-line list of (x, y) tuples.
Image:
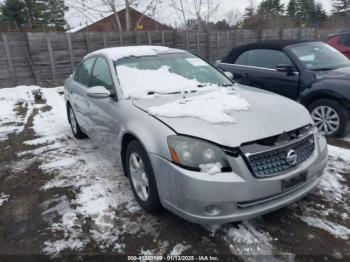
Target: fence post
[(70, 49), (175, 39), (121, 38), (186, 41), (149, 36), (198, 43), (9, 58), (208, 46), (104, 37), (51, 57), (87, 41), (163, 38)]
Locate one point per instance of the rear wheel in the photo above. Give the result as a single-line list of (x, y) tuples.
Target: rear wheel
[(330, 117), (140, 173), (74, 124)]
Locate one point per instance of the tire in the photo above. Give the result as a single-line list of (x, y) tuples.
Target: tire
[(334, 112), (77, 132), (151, 201)]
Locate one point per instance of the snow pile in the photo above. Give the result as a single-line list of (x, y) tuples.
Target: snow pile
[(16, 106), (331, 185), (211, 169), (3, 199), (334, 229), (178, 249), (247, 240), (137, 83), (116, 53), (213, 107)]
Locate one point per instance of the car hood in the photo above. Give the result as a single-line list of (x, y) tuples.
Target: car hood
[(340, 73), (270, 115)]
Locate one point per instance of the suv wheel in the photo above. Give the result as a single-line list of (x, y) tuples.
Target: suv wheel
[(140, 173), (330, 117), (74, 124)]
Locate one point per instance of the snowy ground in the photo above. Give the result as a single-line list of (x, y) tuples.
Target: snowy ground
[(61, 196)]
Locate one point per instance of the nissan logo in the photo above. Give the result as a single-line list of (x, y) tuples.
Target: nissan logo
[(292, 157)]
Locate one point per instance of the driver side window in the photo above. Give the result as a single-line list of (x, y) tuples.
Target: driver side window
[(101, 75)]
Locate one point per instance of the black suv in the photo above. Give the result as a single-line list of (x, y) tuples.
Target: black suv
[(313, 73)]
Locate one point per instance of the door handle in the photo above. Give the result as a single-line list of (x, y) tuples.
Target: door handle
[(246, 75)]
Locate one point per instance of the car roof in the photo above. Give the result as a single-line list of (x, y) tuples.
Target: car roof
[(273, 44), (117, 53), (338, 34)]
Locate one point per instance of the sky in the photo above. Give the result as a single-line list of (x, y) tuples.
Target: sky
[(167, 15)]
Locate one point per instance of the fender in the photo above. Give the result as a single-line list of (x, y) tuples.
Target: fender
[(337, 89)]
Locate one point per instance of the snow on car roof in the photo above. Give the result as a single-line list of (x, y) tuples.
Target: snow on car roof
[(117, 53)]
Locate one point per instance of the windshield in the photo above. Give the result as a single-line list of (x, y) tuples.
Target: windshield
[(319, 56), (145, 76)]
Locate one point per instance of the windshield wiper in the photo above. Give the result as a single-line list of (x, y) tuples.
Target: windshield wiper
[(325, 69), (170, 93)]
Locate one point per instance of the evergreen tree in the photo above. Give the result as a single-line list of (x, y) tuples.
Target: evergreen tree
[(12, 12), (270, 8), (31, 13), (292, 9), (341, 7)]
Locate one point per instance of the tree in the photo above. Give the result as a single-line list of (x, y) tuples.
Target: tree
[(269, 8), (201, 10), (12, 12), (292, 9), (341, 7), (31, 13)]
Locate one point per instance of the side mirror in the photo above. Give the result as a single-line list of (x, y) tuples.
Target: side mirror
[(98, 92), (285, 68), (228, 74)]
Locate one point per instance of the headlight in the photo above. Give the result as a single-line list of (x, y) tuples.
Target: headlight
[(196, 154)]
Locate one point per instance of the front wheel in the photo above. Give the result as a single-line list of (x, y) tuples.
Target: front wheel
[(330, 117), (74, 124), (140, 173)]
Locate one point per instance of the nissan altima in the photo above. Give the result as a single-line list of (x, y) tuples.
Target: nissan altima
[(189, 138)]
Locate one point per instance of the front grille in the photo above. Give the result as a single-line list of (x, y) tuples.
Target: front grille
[(274, 162)]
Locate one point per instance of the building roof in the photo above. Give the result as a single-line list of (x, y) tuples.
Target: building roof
[(109, 17), (273, 44)]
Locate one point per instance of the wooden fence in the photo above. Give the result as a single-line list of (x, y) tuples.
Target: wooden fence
[(47, 59)]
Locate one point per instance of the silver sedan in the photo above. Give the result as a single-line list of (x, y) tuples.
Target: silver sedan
[(190, 139)]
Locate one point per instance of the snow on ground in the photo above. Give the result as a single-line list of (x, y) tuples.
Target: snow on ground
[(3, 199), (178, 249), (104, 203), (335, 192), (215, 107), (338, 231), (12, 102)]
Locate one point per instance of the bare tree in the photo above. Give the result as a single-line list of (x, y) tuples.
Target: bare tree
[(200, 10)]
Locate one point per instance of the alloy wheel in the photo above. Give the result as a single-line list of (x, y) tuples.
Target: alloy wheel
[(73, 122), (138, 176), (326, 119)]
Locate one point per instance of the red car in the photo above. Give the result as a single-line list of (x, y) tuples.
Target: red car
[(341, 42)]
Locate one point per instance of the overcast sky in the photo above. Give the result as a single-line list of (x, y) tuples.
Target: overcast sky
[(167, 15)]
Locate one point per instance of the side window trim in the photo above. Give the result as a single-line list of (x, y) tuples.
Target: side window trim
[(109, 70), (90, 73)]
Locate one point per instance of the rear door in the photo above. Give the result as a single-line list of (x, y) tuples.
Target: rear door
[(78, 92), (257, 68)]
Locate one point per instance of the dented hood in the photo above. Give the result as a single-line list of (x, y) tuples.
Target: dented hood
[(270, 115)]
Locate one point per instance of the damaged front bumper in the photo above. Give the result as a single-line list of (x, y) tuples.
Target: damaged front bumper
[(234, 196)]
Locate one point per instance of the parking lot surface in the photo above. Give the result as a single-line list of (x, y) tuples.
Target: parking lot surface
[(60, 196)]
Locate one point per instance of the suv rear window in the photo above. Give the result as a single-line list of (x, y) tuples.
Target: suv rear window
[(345, 40)]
